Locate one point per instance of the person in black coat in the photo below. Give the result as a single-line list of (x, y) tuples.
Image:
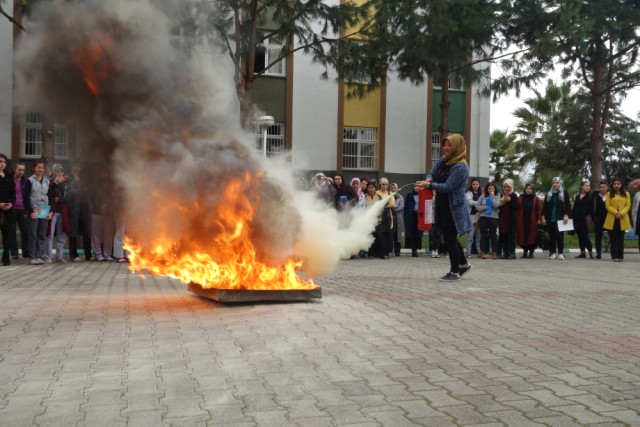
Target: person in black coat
[(556, 207), (412, 234), (599, 214), (508, 219), (7, 200), (583, 207)]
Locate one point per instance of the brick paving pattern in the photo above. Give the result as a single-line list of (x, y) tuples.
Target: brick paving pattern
[(524, 342)]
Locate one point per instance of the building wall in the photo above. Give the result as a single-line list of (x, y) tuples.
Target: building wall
[(6, 80), (480, 128), (406, 130), (362, 112), (314, 115), (269, 95)]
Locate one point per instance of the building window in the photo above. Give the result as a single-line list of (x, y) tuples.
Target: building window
[(60, 138), (267, 53), (32, 134), (32, 143), (275, 139), (359, 148), (455, 81)]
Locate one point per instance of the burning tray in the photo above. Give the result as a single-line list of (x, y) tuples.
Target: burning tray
[(243, 295)]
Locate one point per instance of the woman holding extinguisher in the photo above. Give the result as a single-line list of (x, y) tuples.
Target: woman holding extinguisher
[(448, 178)]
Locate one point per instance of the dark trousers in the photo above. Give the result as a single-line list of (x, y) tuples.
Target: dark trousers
[(4, 229), (583, 239), (598, 238), (508, 241), (450, 234), (557, 239), (19, 218), (488, 227), (616, 238)]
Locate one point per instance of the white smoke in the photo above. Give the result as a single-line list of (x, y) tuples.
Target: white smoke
[(167, 123)]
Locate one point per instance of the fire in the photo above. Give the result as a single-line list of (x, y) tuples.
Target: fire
[(94, 64), (217, 252)]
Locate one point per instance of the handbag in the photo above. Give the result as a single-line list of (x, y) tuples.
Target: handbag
[(476, 218), (591, 225), (543, 240)]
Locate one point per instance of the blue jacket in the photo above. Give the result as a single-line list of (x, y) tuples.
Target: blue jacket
[(456, 187)]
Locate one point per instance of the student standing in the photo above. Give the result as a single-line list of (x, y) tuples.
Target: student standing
[(583, 207), (35, 195), (7, 200), (617, 221), (599, 215), (556, 207)]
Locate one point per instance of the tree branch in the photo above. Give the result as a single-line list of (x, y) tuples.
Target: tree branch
[(12, 20)]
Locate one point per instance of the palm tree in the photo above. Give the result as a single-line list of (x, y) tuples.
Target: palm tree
[(540, 133), (505, 157)]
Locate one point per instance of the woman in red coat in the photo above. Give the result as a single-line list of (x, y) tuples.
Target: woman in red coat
[(529, 217)]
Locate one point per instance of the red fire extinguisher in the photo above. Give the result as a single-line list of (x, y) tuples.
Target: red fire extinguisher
[(425, 209)]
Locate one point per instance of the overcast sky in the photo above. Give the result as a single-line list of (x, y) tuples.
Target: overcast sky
[(502, 110)]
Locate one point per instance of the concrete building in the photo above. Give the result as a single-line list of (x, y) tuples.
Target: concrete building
[(391, 132)]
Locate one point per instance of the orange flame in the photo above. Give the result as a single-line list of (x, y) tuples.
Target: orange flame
[(226, 259), (92, 61)]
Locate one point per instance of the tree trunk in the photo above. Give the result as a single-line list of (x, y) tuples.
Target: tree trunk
[(444, 108), (48, 154), (596, 128)]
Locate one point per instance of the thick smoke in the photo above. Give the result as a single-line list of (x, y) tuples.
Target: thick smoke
[(167, 125)]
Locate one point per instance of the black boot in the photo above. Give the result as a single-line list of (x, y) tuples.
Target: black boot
[(524, 254), (582, 255)]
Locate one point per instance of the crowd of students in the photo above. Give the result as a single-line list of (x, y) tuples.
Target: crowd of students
[(529, 220), (57, 206), (501, 219)]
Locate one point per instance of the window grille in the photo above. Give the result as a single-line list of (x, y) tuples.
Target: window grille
[(60, 139), (359, 148), (32, 143), (275, 139), (32, 134)]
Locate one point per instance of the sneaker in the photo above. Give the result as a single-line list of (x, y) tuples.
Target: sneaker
[(36, 262), (552, 256), (108, 258), (449, 277), (76, 259), (561, 257), (435, 255), (47, 261), (463, 270), (61, 261), (124, 260), (100, 258)]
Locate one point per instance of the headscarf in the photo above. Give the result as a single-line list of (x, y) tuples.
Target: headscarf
[(458, 149), (509, 182), (559, 191), (533, 191), (359, 193)]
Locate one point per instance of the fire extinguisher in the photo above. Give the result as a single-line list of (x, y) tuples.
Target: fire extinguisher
[(425, 209)]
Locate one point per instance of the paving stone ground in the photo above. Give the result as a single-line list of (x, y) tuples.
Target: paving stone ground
[(523, 342)]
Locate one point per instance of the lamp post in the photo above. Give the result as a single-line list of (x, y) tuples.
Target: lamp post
[(265, 122)]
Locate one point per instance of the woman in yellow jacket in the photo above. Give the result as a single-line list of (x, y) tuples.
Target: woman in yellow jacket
[(617, 222)]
